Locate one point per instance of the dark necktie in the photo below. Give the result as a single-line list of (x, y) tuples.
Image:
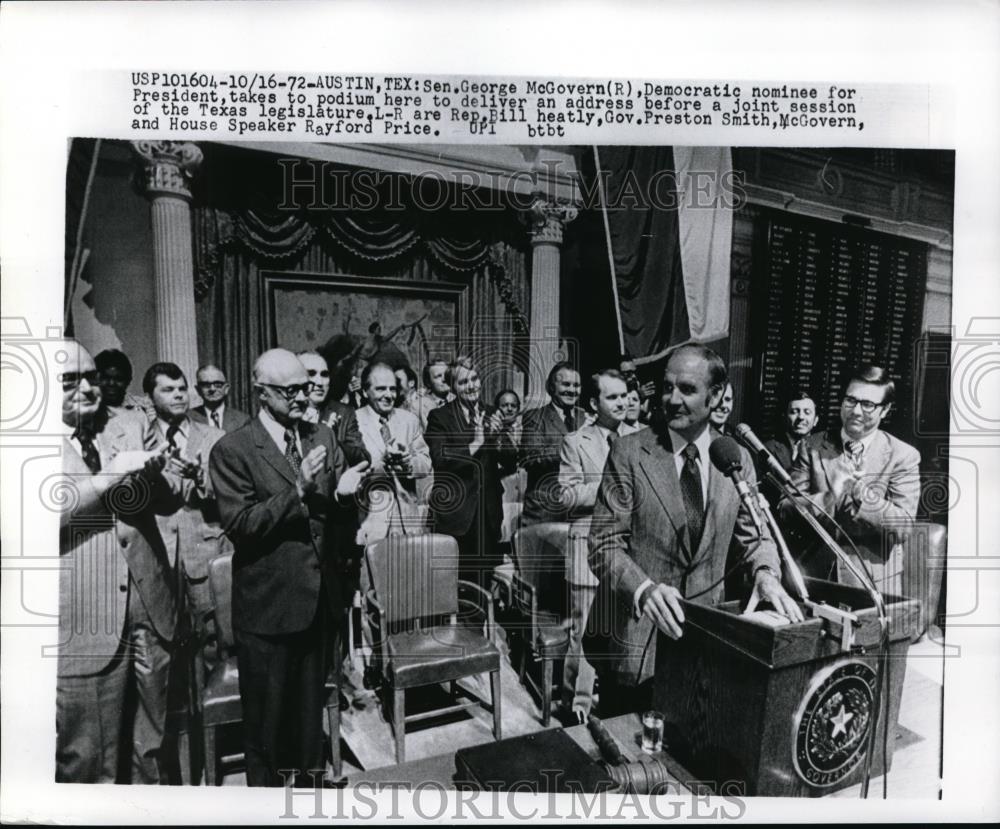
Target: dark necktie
[(694, 503), (798, 448), (215, 420), (569, 420), (612, 437), (172, 431), (292, 451), (88, 450)]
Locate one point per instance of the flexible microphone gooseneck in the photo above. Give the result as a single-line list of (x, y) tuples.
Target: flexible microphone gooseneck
[(799, 501)]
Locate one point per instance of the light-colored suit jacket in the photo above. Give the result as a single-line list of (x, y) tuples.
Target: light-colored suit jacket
[(423, 403), (889, 492), (389, 500), (639, 531), (102, 539), (581, 466), (193, 530)]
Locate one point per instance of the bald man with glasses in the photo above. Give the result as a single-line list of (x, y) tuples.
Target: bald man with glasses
[(280, 483)]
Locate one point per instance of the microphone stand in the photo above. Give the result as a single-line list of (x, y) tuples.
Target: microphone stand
[(846, 620)]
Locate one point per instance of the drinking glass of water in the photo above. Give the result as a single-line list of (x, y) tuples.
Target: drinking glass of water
[(652, 732)]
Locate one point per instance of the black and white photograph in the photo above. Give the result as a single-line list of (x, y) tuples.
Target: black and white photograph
[(481, 437), (399, 505)]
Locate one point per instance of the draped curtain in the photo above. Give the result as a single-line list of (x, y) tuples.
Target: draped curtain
[(233, 246)]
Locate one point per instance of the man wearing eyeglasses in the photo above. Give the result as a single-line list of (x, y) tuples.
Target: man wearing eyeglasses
[(868, 480), (211, 384), (117, 603), (280, 484)]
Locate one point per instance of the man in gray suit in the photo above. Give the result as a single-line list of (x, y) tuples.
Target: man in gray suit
[(191, 532), (868, 480), (117, 604), (661, 532), (581, 466), (213, 387)]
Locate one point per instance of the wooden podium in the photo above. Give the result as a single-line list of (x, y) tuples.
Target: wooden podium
[(781, 711)]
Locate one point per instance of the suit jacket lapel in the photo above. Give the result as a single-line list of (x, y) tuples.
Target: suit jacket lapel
[(111, 440), (461, 425), (269, 452), (877, 456), (657, 464), (589, 445), (555, 423), (830, 452), (195, 440), (720, 511)]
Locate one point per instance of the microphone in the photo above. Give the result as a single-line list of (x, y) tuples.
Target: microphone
[(745, 433), (725, 455)]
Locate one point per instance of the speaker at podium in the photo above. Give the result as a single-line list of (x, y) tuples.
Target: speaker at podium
[(786, 710)]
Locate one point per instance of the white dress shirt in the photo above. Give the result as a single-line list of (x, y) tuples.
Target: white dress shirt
[(210, 414), (180, 437), (677, 444), (277, 431)]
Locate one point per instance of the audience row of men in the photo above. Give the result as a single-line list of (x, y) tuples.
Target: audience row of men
[(307, 482)]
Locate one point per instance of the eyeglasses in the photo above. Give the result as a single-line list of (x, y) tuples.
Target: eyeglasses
[(214, 384), (867, 406), (72, 379), (292, 391)]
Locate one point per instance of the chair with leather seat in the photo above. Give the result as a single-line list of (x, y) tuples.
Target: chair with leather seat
[(220, 699), (541, 626), (430, 627)]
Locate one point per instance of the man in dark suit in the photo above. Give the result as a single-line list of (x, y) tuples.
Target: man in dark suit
[(191, 532), (117, 604), (469, 454), (798, 421), (278, 481), (868, 480), (211, 384), (661, 531), (541, 439)]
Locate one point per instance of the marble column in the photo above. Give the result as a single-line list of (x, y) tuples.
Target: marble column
[(168, 167), (545, 221)]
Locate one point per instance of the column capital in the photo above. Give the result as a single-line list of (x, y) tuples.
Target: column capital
[(168, 166), (545, 220)]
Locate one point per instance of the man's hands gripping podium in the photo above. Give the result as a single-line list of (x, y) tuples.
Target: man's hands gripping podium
[(661, 603)]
